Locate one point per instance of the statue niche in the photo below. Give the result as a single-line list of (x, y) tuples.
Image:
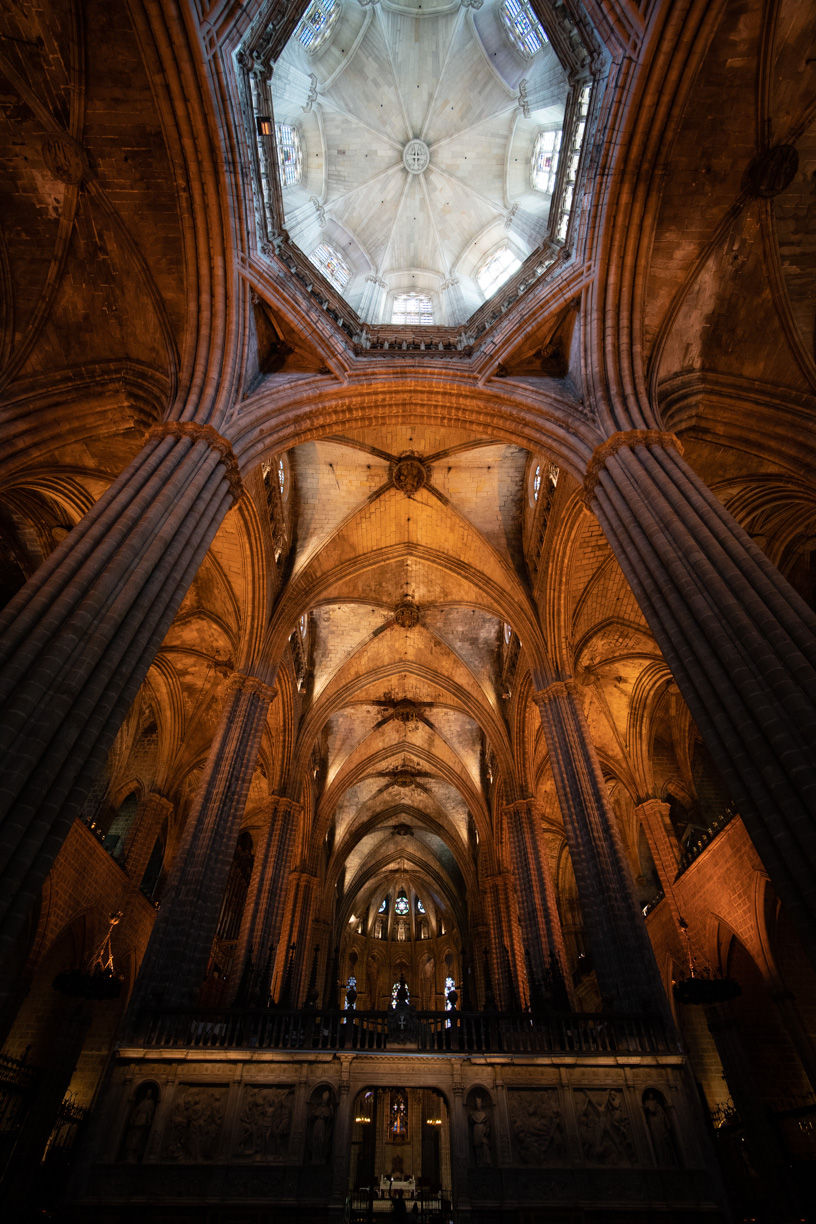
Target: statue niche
[(661, 1131), (322, 1109), (480, 1120), (140, 1122)]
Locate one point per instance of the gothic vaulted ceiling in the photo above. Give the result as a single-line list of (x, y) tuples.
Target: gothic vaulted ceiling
[(416, 140)]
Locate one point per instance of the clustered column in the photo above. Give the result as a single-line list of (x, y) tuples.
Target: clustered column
[(264, 908), (624, 961), (740, 642), (293, 946), (146, 828), (176, 959), (510, 972), (78, 639), (538, 909)]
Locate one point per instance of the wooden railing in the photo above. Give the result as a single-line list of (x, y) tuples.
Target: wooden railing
[(442, 1032)]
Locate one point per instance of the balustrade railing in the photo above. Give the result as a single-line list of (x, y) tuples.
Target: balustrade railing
[(442, 1032), (697, 844)]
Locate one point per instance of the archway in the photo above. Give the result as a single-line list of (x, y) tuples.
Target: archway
[(400, 1148)]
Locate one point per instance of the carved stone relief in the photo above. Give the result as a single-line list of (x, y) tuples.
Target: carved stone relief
[(263, 1123), (195, 1124), (409, 473), (537, 1126), (604, 1127)]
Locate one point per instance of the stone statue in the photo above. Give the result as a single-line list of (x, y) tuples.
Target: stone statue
[(322, 1125), (141, 1120), (480, 1122), (661, 1131)]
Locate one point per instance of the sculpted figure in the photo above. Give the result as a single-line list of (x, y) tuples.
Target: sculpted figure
[(141, 1120), (480, 1121), (661, 1131), (322, 1119)]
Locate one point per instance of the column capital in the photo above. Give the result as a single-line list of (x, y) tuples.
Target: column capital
[(522, 807), (653, 805), (558, 689), (213, 439), (626, 437), (250, 684)]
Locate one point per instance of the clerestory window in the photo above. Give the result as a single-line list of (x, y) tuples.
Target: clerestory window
[(317, 24), (544, 164), (290, 156), (331, 264), (496, 269), (412, 309), (522, 27), (572, 154)]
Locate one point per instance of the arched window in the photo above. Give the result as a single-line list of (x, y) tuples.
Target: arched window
[(401, 904), (537, 482), (332, 264), (544, 164), (303, 624), (317, 24), (290, 157), (351, 988), (412, 308), (395, 991), (508, 633), (522, 27), (496, 269), (383, 906), (420, 906), (281, 475)]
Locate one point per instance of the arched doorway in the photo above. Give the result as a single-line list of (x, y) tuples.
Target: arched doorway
[(400, 1148)]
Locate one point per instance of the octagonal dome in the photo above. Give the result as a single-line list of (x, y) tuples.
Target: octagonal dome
[(409, 132)]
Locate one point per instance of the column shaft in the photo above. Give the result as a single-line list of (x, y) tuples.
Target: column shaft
[(628, 977), (79, 638), (266, 898), (508, 950), (740, 642), (176, 958), (665, 850), (538, 909), (295, 930), (142, 838)]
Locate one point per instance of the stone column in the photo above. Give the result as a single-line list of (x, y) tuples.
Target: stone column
[(538, 909), (455, 310), (295, 931), (665, 850), (78, 639), (628, 977), (506, 941), (531, 229), (263, 911), (740, 642), (142, 836), (176, 958), (549, 88), (371, 303)]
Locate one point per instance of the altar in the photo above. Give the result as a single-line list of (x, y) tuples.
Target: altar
[(388, 1186)]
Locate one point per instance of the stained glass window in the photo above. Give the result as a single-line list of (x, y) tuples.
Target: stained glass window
[(450, 985), (537, 482), (523, 27), (383, 906), (544, 165), (420, 906), (290, 157), (398, 1120), (412, 308), (401, 905), (281, 474), (394, 990), (303, 625), (331, 264), (496, 269), (351, 988), (317, 24)]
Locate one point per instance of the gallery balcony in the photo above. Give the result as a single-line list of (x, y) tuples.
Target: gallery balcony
[(457, 1033)]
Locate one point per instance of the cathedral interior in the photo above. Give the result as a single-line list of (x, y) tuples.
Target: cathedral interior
[(408, 659)]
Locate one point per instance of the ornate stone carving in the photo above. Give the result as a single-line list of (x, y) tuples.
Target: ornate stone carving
[(559, 688), (537, 1126), (773, 171), (480, 1119), (195, 1124), (604, 1128), (251, 684), (627, 437), (312, 95), (661, 1132), (409, 473), (213, 439), (65, 159), (406, 711), (406, 614), (263, 1125)]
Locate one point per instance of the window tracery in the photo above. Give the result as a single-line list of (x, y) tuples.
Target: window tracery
[(496, 269), (331, 264), (290, 154), (401, 906), (317, 24), (412, 308), (522, 27), (544, 163), (573, 158)]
